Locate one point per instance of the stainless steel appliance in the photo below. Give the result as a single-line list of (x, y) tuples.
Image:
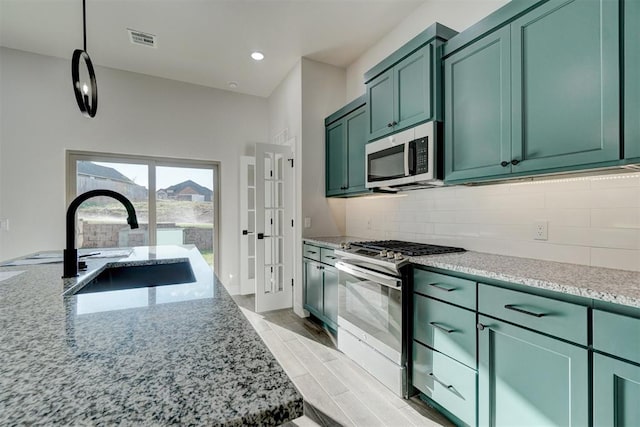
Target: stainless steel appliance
[(405, 160), (372, 307)]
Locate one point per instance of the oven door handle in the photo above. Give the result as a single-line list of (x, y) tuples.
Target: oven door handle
[(380, 278)]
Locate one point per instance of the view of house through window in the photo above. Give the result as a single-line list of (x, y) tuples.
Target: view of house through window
[(174, 203)]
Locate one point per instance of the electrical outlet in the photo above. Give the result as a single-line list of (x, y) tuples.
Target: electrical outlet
[(307, 222), (369, 224), (540, 230), (4, 224)]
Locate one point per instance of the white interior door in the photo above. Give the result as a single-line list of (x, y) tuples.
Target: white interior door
[(247, 225), (274, 227)]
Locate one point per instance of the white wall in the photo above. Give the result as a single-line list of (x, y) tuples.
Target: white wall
[(591, 221), (455, 14), (137, 114), (323, 89), (310, 92)]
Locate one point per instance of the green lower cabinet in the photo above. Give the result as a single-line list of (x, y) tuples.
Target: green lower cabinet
[(320, 286), (313, 289), (616, 392), (448, 383), (529, 379), (631, 92)]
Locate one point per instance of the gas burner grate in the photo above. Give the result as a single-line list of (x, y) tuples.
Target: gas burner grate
[(408, 248)]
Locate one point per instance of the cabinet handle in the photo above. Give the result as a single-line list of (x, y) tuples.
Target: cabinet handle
[(520, 310), (442, 328), (389, 125), (393, 123), (442, 287), (515, 162), (480, 327), (330, 257), (504, 163), (450, 387), (312, 252)]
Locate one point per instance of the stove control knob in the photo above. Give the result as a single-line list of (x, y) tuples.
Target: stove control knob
[(383, 253), (390, 254), (345, 245), (398, 256)]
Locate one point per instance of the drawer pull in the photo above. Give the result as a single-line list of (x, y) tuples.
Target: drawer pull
[(312, 252), (442, 287), (330, 257), (442, 328), (521, 310), (450, 387)]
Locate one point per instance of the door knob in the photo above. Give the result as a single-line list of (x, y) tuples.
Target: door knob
[(515, 162), (504, 163)]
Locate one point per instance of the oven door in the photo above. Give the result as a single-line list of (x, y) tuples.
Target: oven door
[(370, 308)]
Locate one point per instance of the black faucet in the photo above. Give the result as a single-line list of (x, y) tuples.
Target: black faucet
[(70, 265)]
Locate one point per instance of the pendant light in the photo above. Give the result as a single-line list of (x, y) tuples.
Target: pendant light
[(86, 92)]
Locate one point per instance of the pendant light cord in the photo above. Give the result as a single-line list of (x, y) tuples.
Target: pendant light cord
[(84, 25)]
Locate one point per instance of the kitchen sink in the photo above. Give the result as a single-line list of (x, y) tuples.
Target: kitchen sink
[(140, 276)]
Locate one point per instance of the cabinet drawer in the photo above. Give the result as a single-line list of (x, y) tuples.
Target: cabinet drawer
[(448, 288), (327, 256), (449, 329), (449, 383), (310, 251), (617, 335), (557, 318)]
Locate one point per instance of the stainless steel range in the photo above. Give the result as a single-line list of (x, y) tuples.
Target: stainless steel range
[(372, 310)]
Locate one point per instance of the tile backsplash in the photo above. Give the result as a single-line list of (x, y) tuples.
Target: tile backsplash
[(591, 220)]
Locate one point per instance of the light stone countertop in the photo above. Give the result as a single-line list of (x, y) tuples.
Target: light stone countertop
[(333, 241), (172, 354), (604, 284)]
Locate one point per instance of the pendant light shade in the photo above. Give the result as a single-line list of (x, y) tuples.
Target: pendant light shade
[(85, 89)]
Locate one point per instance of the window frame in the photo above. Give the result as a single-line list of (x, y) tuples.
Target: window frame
[(73, 156)]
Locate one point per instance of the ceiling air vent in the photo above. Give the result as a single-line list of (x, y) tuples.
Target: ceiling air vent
[(144, 39)]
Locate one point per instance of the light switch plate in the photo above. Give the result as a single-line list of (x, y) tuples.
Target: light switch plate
[(307, 222), (4, 224)]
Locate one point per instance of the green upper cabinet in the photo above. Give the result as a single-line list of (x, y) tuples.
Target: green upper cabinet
[(402, 91), (631, 80), (345, 140), (550, 100), (336, 157), (565, 85), (401, 96), (477, 108)]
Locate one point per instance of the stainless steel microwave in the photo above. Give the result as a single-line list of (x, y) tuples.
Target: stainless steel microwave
[(404, 160)]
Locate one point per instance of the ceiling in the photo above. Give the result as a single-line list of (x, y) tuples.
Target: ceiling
[(206, 42)]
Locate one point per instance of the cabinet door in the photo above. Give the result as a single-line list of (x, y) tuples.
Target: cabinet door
[(631, 81), (412, 96), (356, 125), (380, 105), (478, 109), (616, 392), (565, 91), (525, 378), (331, 296), (313, 293), (336, 155)]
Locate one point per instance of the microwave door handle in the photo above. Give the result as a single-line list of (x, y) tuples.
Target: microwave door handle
[(407, 147)]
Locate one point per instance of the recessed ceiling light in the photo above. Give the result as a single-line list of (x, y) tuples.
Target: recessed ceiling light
[(258, 56), (233, 85)]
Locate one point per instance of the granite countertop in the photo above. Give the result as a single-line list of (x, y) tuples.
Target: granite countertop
[(333, 241), (173, 354), (604, 284)]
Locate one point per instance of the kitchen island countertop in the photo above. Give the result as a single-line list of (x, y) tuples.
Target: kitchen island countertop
[(173, 354)]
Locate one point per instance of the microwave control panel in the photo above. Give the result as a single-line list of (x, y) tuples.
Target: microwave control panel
[(421, 147)]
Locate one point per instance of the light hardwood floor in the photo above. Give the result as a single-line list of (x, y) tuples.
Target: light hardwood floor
[(336, 391)]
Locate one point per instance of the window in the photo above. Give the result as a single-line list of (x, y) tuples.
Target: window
[(176, 201)]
